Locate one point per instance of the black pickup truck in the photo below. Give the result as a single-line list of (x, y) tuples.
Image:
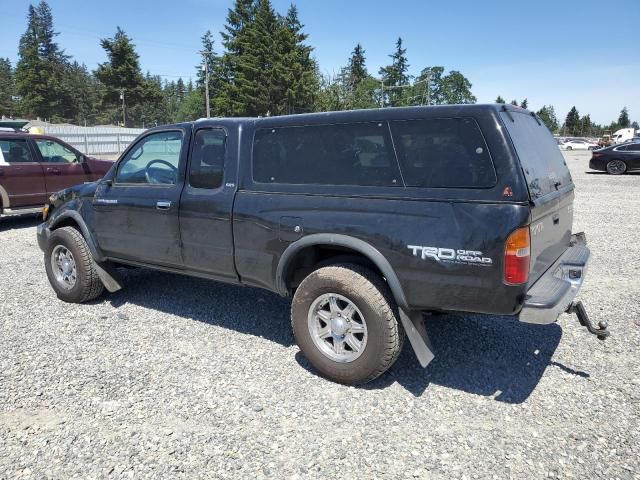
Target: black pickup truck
[(366, 218)]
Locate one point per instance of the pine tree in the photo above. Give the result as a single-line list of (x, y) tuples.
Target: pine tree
[(357, 70), (514, 103), (499, 99), (41, 66), (623, 119), (548, 115), (7, 89), (572, 122), (120, 75), (295, 80), (396, 75), (524, 103)]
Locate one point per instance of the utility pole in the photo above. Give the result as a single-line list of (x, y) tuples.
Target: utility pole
[(381, 93), (124, 116), (205, 67)]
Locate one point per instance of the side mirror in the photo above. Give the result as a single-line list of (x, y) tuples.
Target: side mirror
[(82, 158)]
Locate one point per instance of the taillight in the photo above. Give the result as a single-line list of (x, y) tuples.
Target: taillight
[(596, 155), (517, 253)]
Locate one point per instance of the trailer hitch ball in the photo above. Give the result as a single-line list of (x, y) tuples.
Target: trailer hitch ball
[(601, 332)]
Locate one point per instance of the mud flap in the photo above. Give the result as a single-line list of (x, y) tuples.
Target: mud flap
[(413, 324), (108, 277)]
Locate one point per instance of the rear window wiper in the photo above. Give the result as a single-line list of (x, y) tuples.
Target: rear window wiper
[(536, 118), (506, 110)]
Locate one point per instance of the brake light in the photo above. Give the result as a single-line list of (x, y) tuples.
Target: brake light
[(596, 155), (517, 253)]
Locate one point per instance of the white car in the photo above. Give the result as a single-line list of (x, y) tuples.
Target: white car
[(576, 144)]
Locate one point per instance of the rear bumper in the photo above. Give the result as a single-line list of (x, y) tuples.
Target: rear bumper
[(554, 292)]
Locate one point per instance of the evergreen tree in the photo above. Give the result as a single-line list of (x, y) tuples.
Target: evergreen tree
[(41, 66), (514, 103), (357, 70), (120, 75), (396, 75), (572, 122), (635, 125), (586, 125), (623, 119), (548, 115), (239, 19), (7, 89), (524, 103), (499, 99), (295, 80)]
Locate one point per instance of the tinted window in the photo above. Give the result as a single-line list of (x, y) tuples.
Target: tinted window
[(153, 160), (634, 148), (15, 151), (543, 164), (447, 152), (344, 154), (207, 159), (54, 152)]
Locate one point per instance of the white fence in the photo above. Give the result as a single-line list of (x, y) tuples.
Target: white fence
[(99, 141)]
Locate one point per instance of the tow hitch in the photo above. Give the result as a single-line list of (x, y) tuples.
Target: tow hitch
[(578, 308)]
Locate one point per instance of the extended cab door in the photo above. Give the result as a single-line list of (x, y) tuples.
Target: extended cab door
[(206, 205), (62, 166), (21, 177), (136, 212)]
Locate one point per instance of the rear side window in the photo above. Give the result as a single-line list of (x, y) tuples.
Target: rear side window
[(543, 164), (15, 151), (443, 152), (342, 154), (207, 159)]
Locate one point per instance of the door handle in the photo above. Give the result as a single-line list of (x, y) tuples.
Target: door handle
[(55, 171), (163, 205)]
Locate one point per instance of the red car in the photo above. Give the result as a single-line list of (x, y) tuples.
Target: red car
[(32, 167)]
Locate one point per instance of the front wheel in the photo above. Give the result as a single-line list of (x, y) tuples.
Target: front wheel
[(345, 322), (70, 268), (569, 148), (616, 167)]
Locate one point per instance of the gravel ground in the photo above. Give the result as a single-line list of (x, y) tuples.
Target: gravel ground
[(179, 377)]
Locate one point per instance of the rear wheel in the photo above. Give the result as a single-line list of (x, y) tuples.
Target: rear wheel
[(70, 267), (345, 322), (616, 167), (569, 148)]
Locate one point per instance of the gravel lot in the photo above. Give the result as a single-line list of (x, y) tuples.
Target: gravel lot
[(179, 377)]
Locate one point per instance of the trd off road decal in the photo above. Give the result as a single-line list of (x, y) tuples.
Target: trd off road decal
[(450, 255)]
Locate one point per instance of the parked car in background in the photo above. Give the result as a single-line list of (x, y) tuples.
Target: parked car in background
[(578, 144), (32, 167), (617, 159)]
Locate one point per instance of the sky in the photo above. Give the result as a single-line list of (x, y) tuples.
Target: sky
[(563, 52)]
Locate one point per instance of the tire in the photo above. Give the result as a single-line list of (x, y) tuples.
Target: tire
[(616, 167), (569, 148), (70, 267), (373, 323)]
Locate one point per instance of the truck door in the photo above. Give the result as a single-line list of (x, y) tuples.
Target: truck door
[(206, 205), (136, 216), (21, 177)]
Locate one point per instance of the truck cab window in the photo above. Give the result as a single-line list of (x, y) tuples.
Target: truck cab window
[(207, 159), (153, 160)]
